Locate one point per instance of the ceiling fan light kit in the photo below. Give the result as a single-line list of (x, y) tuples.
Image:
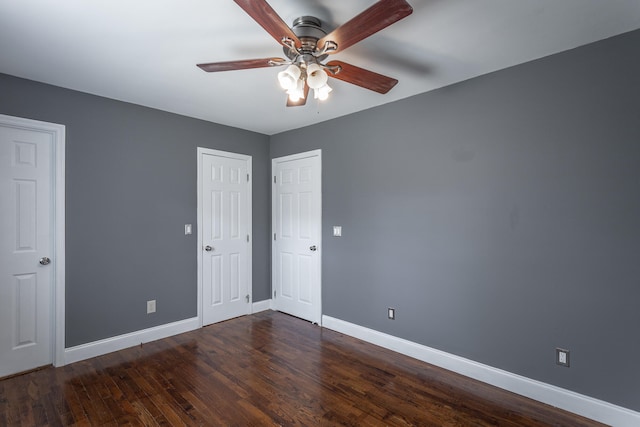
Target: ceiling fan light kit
[(295, 77), (307, 45)]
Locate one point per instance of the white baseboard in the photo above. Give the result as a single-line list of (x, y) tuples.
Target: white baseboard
[(108, 345), (259, 306), (567, 400)]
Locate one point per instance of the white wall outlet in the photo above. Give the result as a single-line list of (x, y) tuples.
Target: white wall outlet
[(391, 313), (562, 357), (151, 306), (337, 230)]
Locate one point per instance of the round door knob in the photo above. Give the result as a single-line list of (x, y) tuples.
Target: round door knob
[(45, 261), (208, 248), (313, 248)]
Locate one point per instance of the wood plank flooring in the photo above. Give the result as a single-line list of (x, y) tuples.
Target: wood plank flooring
[(267, 369)]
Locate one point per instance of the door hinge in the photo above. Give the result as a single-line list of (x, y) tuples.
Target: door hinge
[(248, 298), (274, 236), (274, 294), (247, 177), (247, 238), (274, 179)]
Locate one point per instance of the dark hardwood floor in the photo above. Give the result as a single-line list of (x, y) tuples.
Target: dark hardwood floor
[(266, 369)]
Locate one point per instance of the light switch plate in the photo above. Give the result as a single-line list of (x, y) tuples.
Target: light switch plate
[(187, 229), (337, 230)]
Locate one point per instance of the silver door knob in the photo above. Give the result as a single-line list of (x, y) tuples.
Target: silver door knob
[(208, 248), (45, 261), (313, 248)]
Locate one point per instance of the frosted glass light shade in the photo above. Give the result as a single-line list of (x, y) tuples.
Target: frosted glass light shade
[(297, 91), (289, 77), (316, 76), (322, 93)]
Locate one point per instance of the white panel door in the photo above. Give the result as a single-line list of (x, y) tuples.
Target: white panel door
[(225, 237), (297, 226), (26, 246)]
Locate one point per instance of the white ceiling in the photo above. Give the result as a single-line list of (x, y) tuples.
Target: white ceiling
[(145, 51)]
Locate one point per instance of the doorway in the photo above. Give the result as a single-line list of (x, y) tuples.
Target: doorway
[(224, 235), (32, 257), (297, 235)]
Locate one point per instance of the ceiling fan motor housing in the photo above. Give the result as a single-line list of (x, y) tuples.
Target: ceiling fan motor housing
[(309, 30)]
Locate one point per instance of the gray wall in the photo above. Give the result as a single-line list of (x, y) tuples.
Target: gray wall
[(130, 187), (498, 216)]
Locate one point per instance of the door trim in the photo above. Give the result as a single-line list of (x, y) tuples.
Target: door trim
[(57, 133), (201, 151), (274, 204)]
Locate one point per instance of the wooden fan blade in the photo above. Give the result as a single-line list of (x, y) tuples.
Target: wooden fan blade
[(361, 77), (240, 65), (377, 17), (268, 19), (301, 101)]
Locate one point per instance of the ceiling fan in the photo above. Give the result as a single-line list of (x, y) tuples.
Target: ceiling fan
[(307, 45)]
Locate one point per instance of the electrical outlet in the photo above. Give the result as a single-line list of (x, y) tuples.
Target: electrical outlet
[(391, 313), (151, 306), (562, 357)]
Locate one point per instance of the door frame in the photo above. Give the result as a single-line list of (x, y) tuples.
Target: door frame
[(274, 204), (57, 133), (201, 151)]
